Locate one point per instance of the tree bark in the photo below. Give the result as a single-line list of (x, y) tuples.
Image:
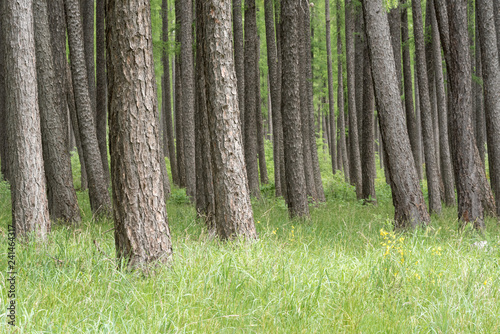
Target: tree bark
[(491, 75), (142, 234), (407, 196), (98, 190), (340, 98), (239, 58), (355, 159), (233, 210), (264, 179), (61, 194), (331, 102), (4, 144), (496, 11), (30, 213), (292, 139), (87, 16), (479, 125), (250, 98), (431, 167)]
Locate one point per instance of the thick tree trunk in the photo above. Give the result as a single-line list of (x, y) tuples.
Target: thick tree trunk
[(294, 163), (233, 210), (331, 103), (166, 111), (142, 234), (431, 167), (61, 194), (491, 75), (239, 58), (250, 98), (496, 11), (411, 122), (272, 63), (98, 191), (30, 213), (340, 98), (406, 193), (186, 39), (100, 102), (355, 158)]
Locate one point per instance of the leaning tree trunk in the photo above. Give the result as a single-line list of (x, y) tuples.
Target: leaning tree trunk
[(87, 17), (61, 194), (431, 168), (272, 63), (407, 196), (233, 210), (142, 234), (30, 213), (491, 79), (98, 190), (292, 138), (331, 103), (250, 98), (355, 159)]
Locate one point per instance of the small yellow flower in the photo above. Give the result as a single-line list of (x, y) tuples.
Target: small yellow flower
[(274, 231)]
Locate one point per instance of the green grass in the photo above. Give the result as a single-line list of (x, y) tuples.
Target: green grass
[(326, 275)]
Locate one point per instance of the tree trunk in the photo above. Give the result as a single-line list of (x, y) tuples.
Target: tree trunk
[(142, 234), (479, 125), (292, 139), (411, 122), (491, 75), (359, 62), (30, 213), (61, 194), (98, 190), (496, 11), (4, 144), (166, 112), (272, 63), (87, 16), (355, 159), (186, 38), (233, 210), (181, 164), (239, 58), (431, 167), (407, 196), (100, 102), (331, 102), (340, 98), (250, 98), (264, 179)]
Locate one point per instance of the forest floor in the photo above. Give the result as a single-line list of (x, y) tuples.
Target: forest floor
[(341, 271)]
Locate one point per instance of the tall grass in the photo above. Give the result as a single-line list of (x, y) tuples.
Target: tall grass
[(341, 271)]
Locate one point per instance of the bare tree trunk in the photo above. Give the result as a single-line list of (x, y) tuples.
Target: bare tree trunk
[(61, 194), (407, 196), (480, 126), (239, 58), (233, 210), (30, 213), (181, 164), (264, 179), (98, 191), (340, 98), (331, 102), (4, 143)]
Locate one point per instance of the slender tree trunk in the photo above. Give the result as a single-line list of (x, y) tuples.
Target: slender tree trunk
[(98, 191), (431, 168), (406, 193), (331, 103), (239, 57), (87, 15), (359, 62), (100, 104), (272, 63), (4, 145), (233, 210), (30, 213), (166, 112), (181, 164), (186, 38), (61, 194), (340, 97), (480, 126), (292, 139), (264, 179), (250, 98), (142, 234), (355, 159), (491, 75)]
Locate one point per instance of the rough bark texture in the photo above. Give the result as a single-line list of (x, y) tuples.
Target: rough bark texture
[(272, 63), (431, 167), (479, 125), (442, 109), (186, 38), (61, 194), (98, 191), (87, 16), (411, 122), (491, 79), (320, 193), (179, 139), (239, 58), (294, 164), (30, 213), (394, 17), (407, 196), (100, 102), (355, 158), (331, 102), (264, 179), (250, 98), (340, 98), (141, 225), (496, 11), (4, 144), (369, 171), (359, 62), (233, 210), (166, 110)]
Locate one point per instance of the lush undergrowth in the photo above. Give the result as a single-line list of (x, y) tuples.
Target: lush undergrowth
[(341, 271)]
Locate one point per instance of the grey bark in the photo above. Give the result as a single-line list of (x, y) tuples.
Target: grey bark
[(340, 98), (331, 102), (239, 57), (264, 179)]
